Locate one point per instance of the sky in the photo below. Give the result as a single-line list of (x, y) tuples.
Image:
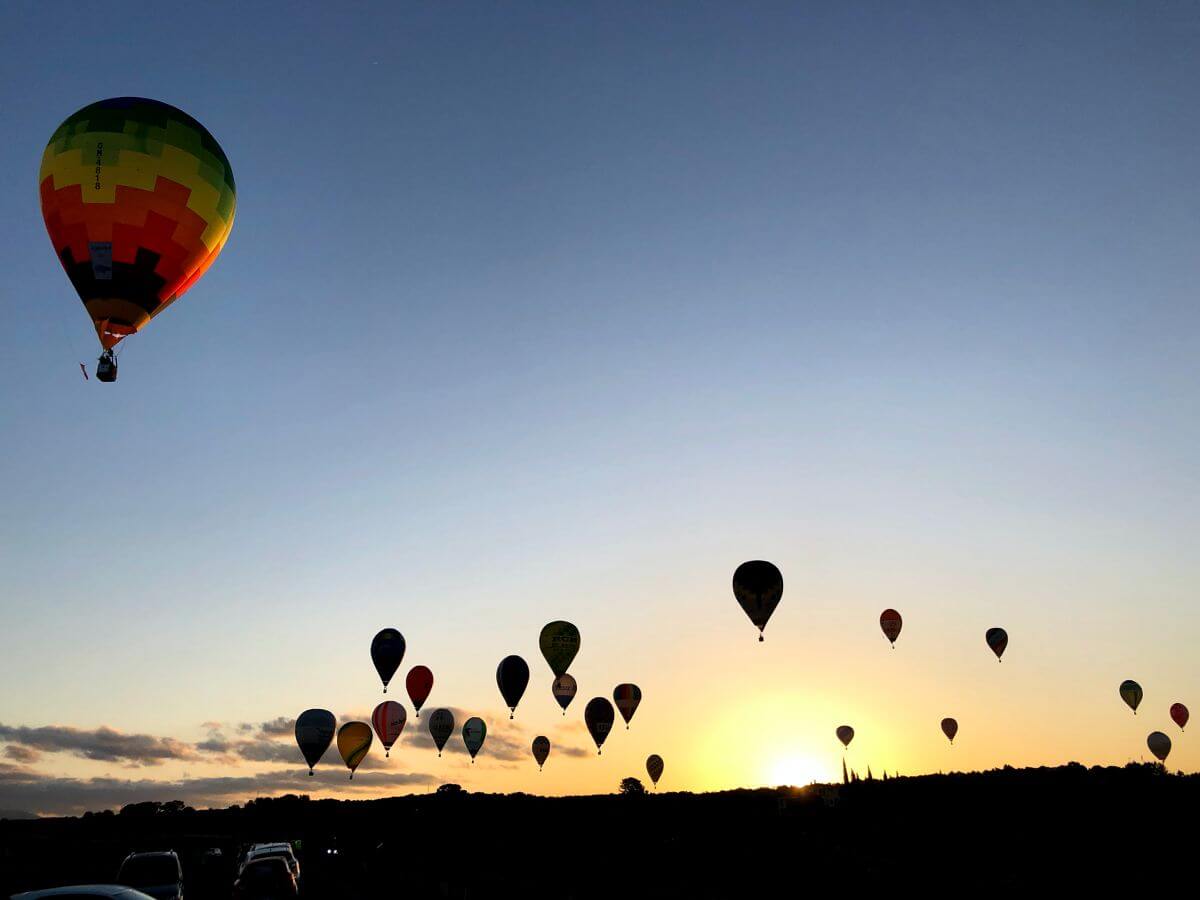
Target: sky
[(539, 311)]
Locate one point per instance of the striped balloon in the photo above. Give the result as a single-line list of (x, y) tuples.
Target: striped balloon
[(138, 199), (388, 720)]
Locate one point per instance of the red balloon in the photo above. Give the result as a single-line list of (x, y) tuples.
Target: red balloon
[(1179, 713), (418, 683)]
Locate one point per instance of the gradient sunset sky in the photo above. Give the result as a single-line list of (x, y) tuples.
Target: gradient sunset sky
[(540, 311)]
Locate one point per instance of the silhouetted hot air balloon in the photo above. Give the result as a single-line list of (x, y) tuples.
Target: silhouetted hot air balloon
[(758, 587), (627, 697), (353, 741), (512, 677), (845, 734), (473, 733), (1179, 714), (654, 767), (997, 639), (559, 643), (441, 726), (418, 683), (314, 733), (1159, 744), (564, 689), (891, 623), (598, 715), (387, 651), (138, 200), (389, 718), (1131, 693), (949, 728), (541, 750)]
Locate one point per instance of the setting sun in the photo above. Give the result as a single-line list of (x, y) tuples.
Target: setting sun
[(797, 771)]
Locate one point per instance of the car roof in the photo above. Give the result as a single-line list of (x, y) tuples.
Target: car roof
[(140, 854), (87, 890)]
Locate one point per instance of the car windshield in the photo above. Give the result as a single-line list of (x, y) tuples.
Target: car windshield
[(265, 871), (149, 870)]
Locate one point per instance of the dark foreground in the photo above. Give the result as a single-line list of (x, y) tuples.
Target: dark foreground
[(1021, 831)]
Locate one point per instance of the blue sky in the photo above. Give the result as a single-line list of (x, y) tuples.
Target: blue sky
[(539, 311)]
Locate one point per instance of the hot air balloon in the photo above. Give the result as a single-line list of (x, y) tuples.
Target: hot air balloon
[(758, 587), (441, 726), (845, 734), (559, 642), (564, 689), (997, 639), (419, 683), (512, 677), (138, 200), (627, 697), (541, 750), (891, 623), (314, 733), (654, 767), (389, 718), (1159, 744), (1179, 714), (473, 733), (353, 741), (387, 650), (598, 715), (1131, 693), (949, 728)]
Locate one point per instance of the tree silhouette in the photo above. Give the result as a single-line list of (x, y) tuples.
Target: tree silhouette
[(632, 787)]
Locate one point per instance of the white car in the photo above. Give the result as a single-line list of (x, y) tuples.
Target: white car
[(81, 891), (260, 851)]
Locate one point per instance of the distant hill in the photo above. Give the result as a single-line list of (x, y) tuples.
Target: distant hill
[(1023, 831), (16, 814)]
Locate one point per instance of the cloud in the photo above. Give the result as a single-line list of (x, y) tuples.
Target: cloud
[(282, 726), (24, 789), (103, 743), (22, 754)]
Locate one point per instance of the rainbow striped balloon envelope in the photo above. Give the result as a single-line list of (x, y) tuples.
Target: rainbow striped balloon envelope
[(138, 199)]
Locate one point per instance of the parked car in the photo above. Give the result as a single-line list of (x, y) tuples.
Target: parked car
[(265, 878), (157, 874), (81, 891), (260, 851)]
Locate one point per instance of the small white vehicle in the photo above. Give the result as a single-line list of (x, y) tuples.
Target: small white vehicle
[(280, 848)]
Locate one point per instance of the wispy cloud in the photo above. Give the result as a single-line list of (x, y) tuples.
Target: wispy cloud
[(103, 743)]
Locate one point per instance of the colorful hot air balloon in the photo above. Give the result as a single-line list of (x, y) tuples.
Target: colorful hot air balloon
[(627, 697), (353, 741), (1131, 693), (473, 733), (997, 639), (314, 733), (949, 728), (598, 715), (541, 750), (512, 677), (441, 726), (654, 767), (138, 200), (389, 718), (387, 651), (418, 683), (564, 689), (891, 623), (758, 587), (845, 734), (1159, 744), (1179, 715), (559, 642)]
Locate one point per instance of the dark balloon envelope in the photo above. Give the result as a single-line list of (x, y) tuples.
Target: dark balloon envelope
[(845, 734), (473, 733), (758, 587), (512, 677), (1159, 744), (441, 726), (891, 623), (315, 729), (654, 767), (949, 728), (559, 643), (387, 652), (599, 715), (541, 750), (564, 690), (1131, 693), (997, 639), (1179, 715), (627, 697)]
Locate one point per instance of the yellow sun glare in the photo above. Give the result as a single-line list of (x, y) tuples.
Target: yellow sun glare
[(797, 770)]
